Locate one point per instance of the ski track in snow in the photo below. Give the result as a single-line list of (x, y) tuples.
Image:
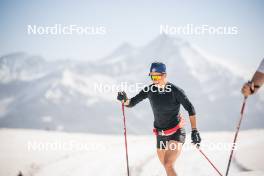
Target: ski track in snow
[(76, 162), (240, 166), (53, 163), (138, 169)]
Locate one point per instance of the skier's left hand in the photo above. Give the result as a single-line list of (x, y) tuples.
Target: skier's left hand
[(196, 139)]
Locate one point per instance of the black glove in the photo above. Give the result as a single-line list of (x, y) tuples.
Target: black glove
[(122, 96), (196, 139)]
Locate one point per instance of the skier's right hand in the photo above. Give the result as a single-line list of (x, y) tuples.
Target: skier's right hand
[(122, 96), (248, 89)]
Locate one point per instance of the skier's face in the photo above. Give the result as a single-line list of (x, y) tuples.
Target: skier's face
[(157, 78)]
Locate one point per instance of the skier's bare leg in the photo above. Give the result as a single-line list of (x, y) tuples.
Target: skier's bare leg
[(161, 155), (168, 156)]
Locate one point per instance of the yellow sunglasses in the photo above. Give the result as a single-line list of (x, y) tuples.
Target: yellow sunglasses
[(155, 77)]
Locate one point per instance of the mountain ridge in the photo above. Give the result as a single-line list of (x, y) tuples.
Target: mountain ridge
[(65, 91)]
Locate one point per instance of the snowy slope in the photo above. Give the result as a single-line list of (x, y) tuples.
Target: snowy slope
[(104, 154), (60, 95)]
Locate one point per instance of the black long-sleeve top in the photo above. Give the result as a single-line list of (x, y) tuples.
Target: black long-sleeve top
[(165, 104)]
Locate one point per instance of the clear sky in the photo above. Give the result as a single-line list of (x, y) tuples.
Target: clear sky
[(136, 22)]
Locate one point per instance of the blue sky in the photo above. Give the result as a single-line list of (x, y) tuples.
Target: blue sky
[(136, 22)]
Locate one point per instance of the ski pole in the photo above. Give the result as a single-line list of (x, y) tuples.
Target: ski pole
[(208, 160), (236, 134), (125, 134)]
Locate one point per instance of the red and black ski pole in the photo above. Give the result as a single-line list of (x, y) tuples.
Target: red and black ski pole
[(236, 135), (198, 147), (125, 134)]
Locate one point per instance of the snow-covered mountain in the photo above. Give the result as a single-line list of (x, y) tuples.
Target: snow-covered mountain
[(61, 95)]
